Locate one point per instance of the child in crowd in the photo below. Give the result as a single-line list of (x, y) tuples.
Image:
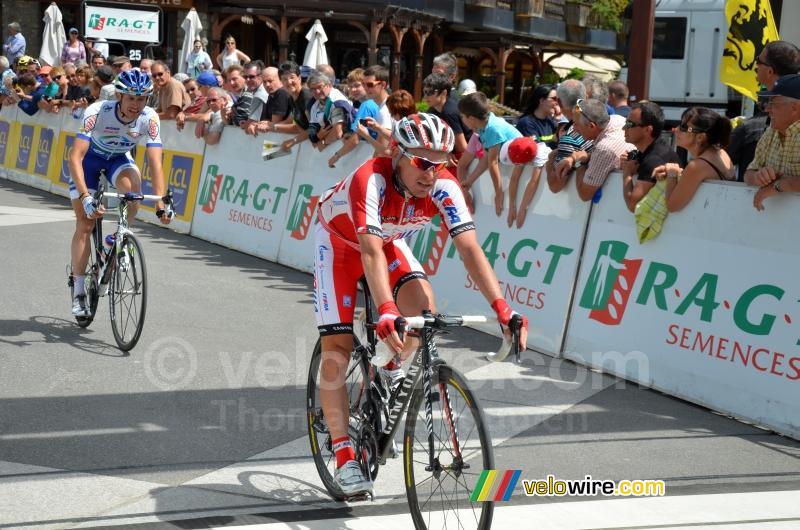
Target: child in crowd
[(493, 133), (520, 152)]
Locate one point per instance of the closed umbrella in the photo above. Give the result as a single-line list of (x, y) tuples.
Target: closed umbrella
[(191, 31), (53, 37), (315, 52)]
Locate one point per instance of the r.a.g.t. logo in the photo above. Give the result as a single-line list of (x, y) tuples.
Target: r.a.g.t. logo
[(302, 215), (96, 22), (610, 283)]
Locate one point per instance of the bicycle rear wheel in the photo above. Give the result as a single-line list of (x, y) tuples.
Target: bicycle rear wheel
[(357, 386), (440, 498), (127, 296)]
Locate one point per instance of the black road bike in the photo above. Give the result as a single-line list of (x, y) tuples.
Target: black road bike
[(119, 272), (446, 442)]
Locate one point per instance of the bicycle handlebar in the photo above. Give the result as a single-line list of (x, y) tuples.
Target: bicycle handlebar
[(130, 196), (443, 321)]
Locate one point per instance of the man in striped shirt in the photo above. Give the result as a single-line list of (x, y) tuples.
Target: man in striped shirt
[(559, 164)]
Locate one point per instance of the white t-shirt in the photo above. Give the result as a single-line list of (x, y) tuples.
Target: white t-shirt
[(384, 116)]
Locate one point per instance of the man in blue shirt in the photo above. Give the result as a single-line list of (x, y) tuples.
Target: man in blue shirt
[(30, 92), (14, 47)]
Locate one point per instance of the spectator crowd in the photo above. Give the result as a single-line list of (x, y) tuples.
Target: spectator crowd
[(579, 130)]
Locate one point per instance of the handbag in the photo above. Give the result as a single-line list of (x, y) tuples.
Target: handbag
[(651, 211)]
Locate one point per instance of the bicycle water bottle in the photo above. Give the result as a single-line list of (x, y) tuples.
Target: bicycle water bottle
[(108, 243)]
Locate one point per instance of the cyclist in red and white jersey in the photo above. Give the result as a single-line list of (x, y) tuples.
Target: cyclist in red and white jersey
[(363, 222)]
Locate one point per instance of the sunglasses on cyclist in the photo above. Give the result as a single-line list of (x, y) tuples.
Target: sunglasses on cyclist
[(423, 163)]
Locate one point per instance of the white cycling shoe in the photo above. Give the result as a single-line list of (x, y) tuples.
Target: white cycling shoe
[(79, 307), (351, 480)]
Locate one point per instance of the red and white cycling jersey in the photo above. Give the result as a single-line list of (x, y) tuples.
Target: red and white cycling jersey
[(367, 202)]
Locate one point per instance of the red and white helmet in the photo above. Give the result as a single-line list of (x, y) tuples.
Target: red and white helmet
[(425, 131)]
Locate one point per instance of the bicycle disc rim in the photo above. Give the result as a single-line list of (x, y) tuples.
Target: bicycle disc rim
[(127, 297), (444, 501)]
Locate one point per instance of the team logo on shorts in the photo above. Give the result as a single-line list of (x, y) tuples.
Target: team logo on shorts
[(347, 301)]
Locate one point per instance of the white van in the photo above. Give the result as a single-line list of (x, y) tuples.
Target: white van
[(688, 41)]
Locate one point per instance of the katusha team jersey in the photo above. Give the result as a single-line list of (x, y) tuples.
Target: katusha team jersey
[(109, 137), (367, 202)]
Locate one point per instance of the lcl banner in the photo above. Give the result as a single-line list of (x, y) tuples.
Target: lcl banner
[(122, 24)]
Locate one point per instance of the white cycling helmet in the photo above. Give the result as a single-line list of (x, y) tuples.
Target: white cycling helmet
[(424, 131)]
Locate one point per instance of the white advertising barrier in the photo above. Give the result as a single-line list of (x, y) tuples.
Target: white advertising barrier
[(312, 177), (182, 164), (708, 311), (243, 200), (536, 264), (68, 128), (30, 157), (8, 142)]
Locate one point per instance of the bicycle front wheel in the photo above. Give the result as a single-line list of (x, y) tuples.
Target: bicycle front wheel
[(127, 297), (439, 496)]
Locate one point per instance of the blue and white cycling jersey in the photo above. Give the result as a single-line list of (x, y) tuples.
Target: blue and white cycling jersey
[(110, 142), (110, 137)]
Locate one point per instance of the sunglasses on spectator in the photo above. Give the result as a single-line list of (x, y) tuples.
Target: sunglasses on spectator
[(370, 84), (553, 98), (579, 110), (250, 76), (212, 100), (631, 124), (430, 91), (157, 74), (423, 163), (56, 78), (685, 127)]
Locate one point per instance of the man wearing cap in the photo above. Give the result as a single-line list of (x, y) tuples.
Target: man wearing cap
[(108, 91), (14, 46), (120, 64), (205, 82), (591, 120), (776, 166)]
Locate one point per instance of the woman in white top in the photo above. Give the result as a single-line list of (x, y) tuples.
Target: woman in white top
[(198, 60), (230, 55)]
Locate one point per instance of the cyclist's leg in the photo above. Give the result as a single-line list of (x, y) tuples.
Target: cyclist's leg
[(80, 245), (337, 268), (410, 286), (125, 176)]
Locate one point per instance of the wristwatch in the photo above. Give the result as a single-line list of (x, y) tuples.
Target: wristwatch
[(776, 185)]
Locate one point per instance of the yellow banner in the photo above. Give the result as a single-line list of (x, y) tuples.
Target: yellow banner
[(750, 28)]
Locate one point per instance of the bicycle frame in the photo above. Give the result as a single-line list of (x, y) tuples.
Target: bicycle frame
[(420, 368)]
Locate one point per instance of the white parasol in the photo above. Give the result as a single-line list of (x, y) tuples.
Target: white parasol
[(53, 37), (191, 31), (315, 52)]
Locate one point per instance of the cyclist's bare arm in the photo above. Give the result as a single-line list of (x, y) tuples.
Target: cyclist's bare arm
[(153, 155), (79, 149), (377, 273)]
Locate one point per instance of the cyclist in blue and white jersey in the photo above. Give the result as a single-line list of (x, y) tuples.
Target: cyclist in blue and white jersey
[(110, 130)]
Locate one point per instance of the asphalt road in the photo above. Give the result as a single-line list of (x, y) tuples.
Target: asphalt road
[(205, 417)]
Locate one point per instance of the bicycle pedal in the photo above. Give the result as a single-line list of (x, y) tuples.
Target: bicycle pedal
[(360, 497)]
